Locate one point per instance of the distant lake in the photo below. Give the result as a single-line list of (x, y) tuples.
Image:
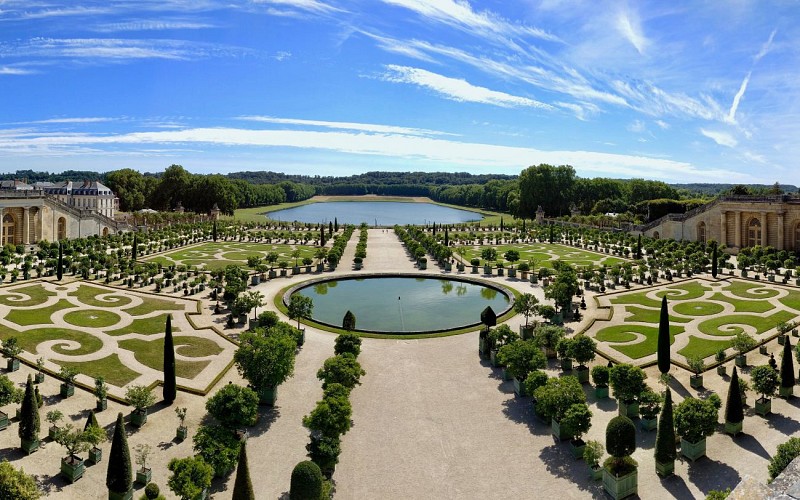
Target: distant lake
[(384, 213)]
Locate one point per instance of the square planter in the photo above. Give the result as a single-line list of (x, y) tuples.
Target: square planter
[(29, 446), (143, 476), (741, 361), (665, 469), (577, 448), (601, 392), (38, 378), (12, 364), (487, 270), (781, 339), (474, 269), (3, 421), (733, 428), (182, 433), (566, 365), (101, 405), (519, 389), (525, 332), (721, 371), (113, 495), (630, 410), (72, 469), (649, 424), (595, 473), (493, 358), (696, 381), (693, 451), (620, 487), (500, 271), (284, 272), (506, 376), (422, 266), (67, 390), (51, 432), (582, 372), (786, 392), (512, 273), (268, 395), (302, 338), (762, 350), (139, 417), (763, 406), (95, 455), (558, 431)]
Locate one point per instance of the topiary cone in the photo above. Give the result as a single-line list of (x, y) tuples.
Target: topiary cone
[(734, 411), (243, 487), (170, 384), (665, 438), (787, 365), (663, 338), (119, 477)]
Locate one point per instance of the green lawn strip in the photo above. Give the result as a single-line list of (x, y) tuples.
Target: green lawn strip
[(149, 304), (703, 347), (145, 326), (41, 316), (37, 293), (698, 308), (639, 298), (745, 290), (760, 323), (29, 339), (543, 254), (694, 290), (744, 305), (792, 300), (92, 318), (151, 353), (622, 333), (642, 315), (88, 295), (110, 368)]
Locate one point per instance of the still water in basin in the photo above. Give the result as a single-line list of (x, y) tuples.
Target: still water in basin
[(382, 213), (403, 304)]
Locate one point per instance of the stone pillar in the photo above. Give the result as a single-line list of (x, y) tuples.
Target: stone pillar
[(737, 236), (26, 225), (780, 243), (723, 228), (764, 232)]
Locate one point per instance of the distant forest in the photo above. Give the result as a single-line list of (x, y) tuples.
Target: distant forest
[(557, 189)]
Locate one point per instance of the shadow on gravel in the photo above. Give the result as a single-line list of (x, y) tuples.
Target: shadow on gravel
[(559, 461), (676, 485), (708, 474), (784, 424), (267, 416), (751, 444), (520, 410), (50, 484)]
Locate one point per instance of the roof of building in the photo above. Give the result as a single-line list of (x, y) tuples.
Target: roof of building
[(15, 185), (85, 188)]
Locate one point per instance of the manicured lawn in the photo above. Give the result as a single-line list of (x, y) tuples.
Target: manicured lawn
[(151, 353), (26, 317), (639, 298), (92, 318), (749, 290), (145, 326), (212, 256), (729, 325), (36, 294), (110, 367), (698, 308), (542, 254), (792, 300), (703, 347), (684, 291), (742, 305), (29, 339), (623, 333), (642, 315), (88, 295), (150, 304)]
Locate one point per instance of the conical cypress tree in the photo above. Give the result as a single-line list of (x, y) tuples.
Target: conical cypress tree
[(91, 420), (243, 487), (714, 262), (446, 238), (336, 224), (349, 321), (330, 227), (119, 477), (322, 236), (639, 247), (665, 439), (214, 231), (29, 422), (502, 227), (169, 364), (787, 365), (60, 269), (434, 229), (734, 411), (663, 338), (133, 248)]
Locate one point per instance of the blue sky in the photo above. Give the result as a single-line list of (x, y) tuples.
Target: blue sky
[(676, 91)]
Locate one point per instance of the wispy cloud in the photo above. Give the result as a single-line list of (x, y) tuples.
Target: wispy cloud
[(637, 127), (737, 98), (364, 127), (457, 89), (10, 70), (721, 138), (151, 25), (766, 47), (44, 13), (282, 55), (313, 6), (96, 119), (662, 124), (629, 25)]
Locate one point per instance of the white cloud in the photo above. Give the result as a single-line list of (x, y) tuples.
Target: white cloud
[(721, 138), (731, 118), (766, 47), (662, 124), (457, 89), (364, 127), (151, 25), (282, 55), (76, 120), (637, 127), (314, 6), (8, 70), (629, 26), (755, 157)]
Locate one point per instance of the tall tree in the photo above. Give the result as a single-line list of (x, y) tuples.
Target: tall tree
[(548, 186), (734, 411), (639, 247), (663, 338), (243, 487), (349, 321), (714, 261), (214, 231), (665, 438), (119, 476), (170, 383), (60, 269), (787, 365), (29, 422), (134, 249)]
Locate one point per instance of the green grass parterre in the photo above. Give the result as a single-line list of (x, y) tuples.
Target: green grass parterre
[(542, 254)]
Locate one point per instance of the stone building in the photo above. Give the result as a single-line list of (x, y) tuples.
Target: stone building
[(736, 222), (53, 212)]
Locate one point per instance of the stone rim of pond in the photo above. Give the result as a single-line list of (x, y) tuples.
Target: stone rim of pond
[(361, 276)]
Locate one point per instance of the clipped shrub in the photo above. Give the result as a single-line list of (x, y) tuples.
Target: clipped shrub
[(15, 484), (521, 357), (151, 491), (119, 477), (620, 444), (306, 483), (555, 397), (787, 452), (665, 437), (190, 476), (695, 419), (600, 375), (218, 447), (347, 343), (234, 406), (535, 379), (342, 369)]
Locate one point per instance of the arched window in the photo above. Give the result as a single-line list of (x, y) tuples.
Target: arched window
[(8, 229), (797, 237), (656, 235), (62, 228), (753, 232), (105, 231), (701, 232)]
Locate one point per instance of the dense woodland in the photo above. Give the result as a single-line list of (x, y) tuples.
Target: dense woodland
[(557, 189)]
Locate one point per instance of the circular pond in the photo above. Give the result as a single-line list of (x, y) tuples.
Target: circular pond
[(403, 304), (379, 213)]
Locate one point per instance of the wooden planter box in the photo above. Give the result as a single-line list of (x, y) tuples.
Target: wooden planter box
[(519, 389), (693, 451), (558, 431), (474, 269), (601, 392), (696, 381), (493, 358), (786, 392), (582, 372), (95, 455), (566, 365), (268, 395), (630, 410), (3, 421), (733, 428), (665, 469), (722, 371), (506, 376), (422, 266), (302, 338), (512, 273), (182, 433), (487, 270), (139, 417), (72, 470), (38, 378), (763, 406), (29, 446), (620, 487), (762, 350), (67, 390), (12, 364), (595, 473), (741, 361), (649, 424), (577, 448), (525, 332), (143, 476), (102, 404)]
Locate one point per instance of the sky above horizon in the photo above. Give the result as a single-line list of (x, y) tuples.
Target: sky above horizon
[(675, 91)]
